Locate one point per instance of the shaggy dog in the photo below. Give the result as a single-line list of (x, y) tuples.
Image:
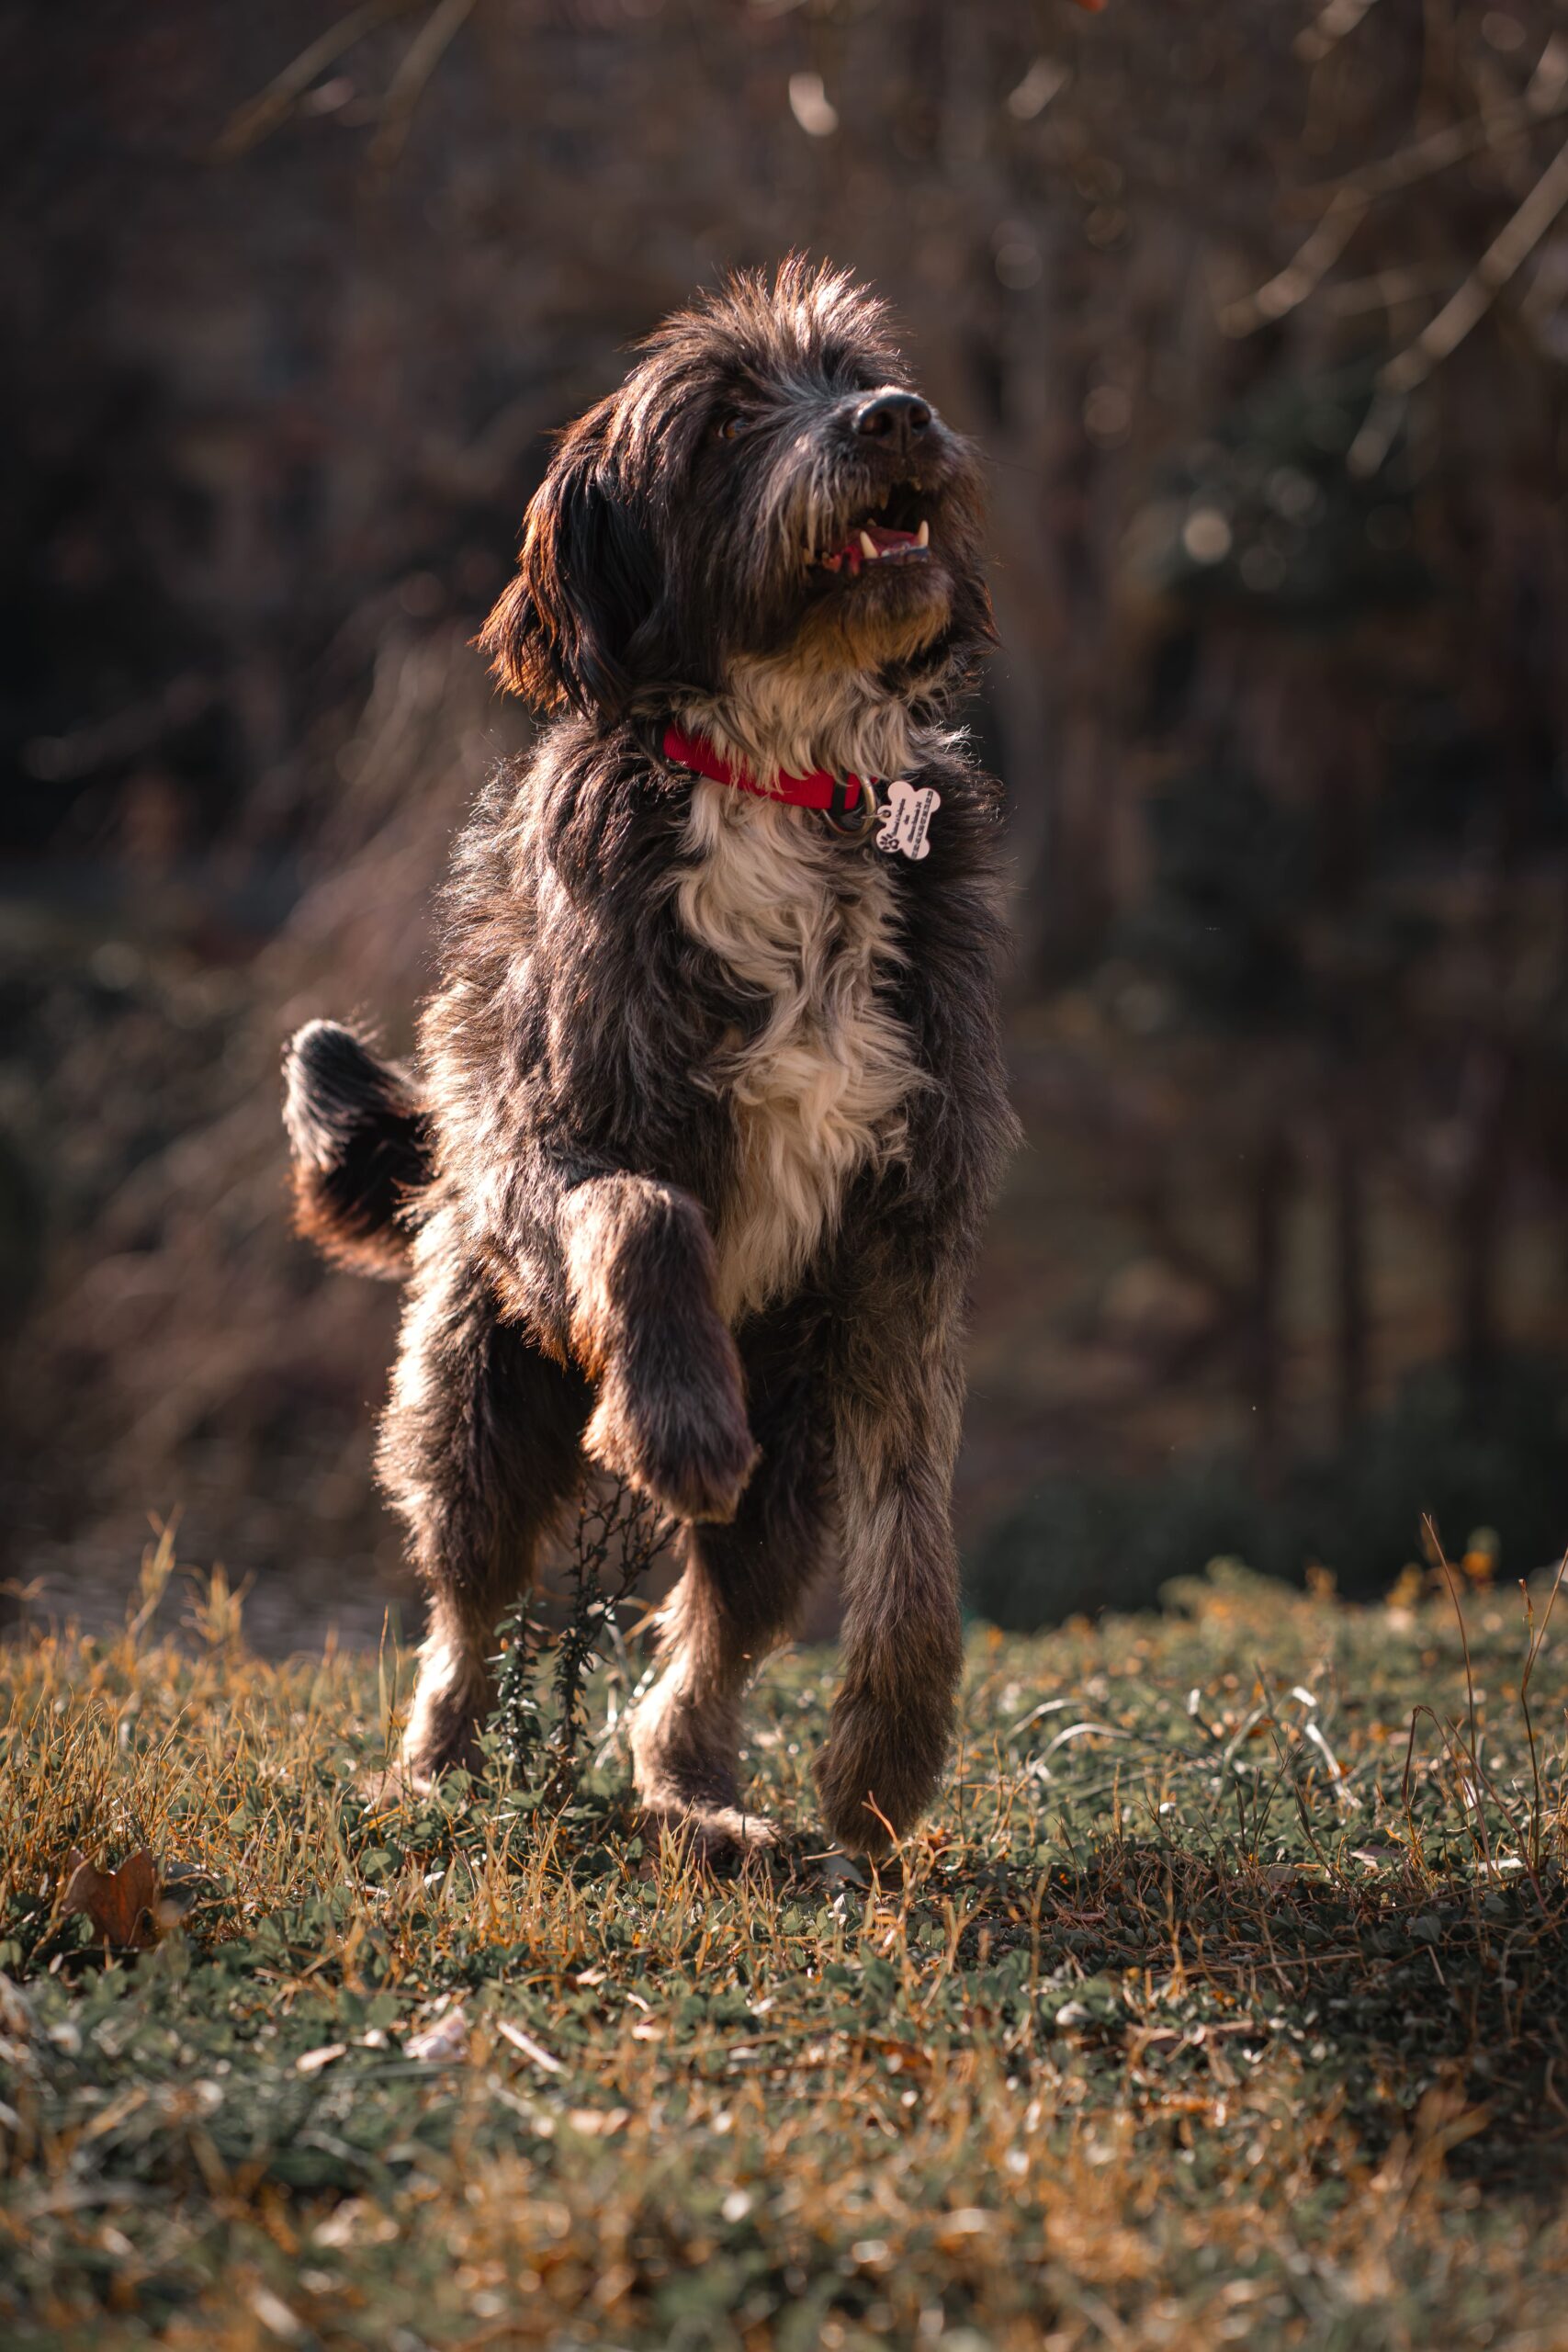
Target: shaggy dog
[(710, 1101)]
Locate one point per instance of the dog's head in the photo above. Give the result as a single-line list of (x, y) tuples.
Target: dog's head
[(766, 485)]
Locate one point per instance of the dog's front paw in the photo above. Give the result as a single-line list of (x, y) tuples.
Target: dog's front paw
[(684, 1441)]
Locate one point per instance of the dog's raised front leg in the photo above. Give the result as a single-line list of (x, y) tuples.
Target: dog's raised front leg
[(671, 1412), (898, 1403), (740, 1596)]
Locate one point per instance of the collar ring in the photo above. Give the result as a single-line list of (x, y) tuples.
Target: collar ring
[(854, 820)]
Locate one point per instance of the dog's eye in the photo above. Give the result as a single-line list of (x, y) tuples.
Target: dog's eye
[(730, 426)]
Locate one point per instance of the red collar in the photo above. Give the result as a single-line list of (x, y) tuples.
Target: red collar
[(840, 797)]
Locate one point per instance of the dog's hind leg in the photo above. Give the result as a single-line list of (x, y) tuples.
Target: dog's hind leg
[(898, 1402), (480, 1451), (738, 1596)]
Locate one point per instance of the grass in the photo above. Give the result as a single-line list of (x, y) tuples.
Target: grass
[(1222, 1999)]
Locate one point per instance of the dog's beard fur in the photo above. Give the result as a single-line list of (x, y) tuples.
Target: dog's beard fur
[(778, 715)]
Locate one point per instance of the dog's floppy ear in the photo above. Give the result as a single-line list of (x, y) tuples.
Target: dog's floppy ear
[(585, 583)]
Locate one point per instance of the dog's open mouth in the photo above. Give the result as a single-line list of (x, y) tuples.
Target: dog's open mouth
[(895, 532)]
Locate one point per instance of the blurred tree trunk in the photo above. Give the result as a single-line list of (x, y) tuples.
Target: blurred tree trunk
[(1478, 1223), (1351, 1321), (1270, 1190)]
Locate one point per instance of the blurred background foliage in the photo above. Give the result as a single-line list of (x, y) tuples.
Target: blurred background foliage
[(1260, 314)]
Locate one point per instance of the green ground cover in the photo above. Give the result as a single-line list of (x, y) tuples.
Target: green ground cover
[(1222, 1999)]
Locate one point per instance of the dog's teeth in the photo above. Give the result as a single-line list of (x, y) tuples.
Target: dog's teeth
[(923, 535), (868, 546)]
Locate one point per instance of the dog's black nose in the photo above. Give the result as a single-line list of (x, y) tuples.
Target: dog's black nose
[(896, 418)]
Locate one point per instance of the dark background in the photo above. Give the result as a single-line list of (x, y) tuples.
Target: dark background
[(1260, 312)]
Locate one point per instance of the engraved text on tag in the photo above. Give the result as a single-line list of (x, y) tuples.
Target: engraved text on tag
[(907, 818)]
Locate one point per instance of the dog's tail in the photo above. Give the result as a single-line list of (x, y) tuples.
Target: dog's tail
[(361, 1144)]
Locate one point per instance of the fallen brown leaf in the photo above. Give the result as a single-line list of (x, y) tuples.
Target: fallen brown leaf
[(122, 1903)]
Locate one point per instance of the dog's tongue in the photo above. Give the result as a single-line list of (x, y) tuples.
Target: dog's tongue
[(853, 554), (882, 541)]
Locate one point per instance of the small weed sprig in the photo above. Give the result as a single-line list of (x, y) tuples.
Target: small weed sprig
[(518, 1719), (618, 1532)]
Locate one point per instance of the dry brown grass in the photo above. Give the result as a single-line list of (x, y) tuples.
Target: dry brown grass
[(1214, 2023)]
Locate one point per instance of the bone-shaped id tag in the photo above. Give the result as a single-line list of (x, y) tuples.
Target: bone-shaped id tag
[(906, 819)]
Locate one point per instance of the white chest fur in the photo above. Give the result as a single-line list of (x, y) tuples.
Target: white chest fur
[(809, 923)]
